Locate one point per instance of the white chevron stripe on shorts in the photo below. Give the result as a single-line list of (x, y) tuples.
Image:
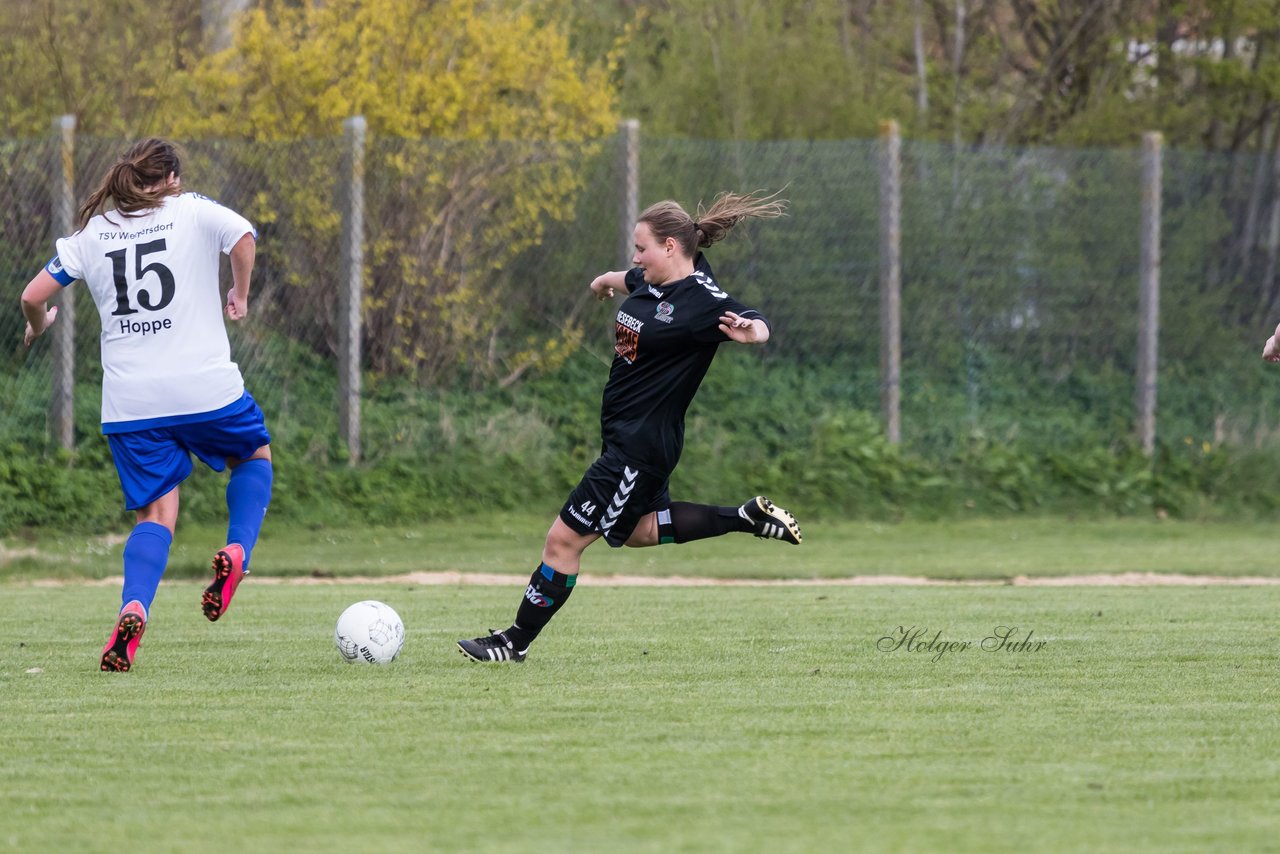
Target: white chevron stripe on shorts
[(625, 487)]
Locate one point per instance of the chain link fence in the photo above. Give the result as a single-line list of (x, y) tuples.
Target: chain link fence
[(1019, 277)]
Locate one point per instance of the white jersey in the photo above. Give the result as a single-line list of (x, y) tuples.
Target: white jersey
[(154, 277)]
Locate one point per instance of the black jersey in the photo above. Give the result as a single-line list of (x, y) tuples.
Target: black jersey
[(666, 337)]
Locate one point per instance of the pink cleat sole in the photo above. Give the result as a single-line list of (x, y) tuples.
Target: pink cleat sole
[(120, 651), (228, 572)]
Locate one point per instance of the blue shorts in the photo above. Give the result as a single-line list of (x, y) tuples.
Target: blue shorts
[(152, 462)]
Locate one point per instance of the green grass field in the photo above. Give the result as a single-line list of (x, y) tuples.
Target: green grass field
[(982, 548), (660, 718)]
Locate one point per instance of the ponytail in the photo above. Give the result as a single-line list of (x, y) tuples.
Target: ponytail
[(135, 183), (668, 219), (729, 209)]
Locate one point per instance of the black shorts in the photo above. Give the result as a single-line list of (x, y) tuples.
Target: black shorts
[(612, 498)]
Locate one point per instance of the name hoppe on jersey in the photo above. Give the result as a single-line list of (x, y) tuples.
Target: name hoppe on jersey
[(144, 327)]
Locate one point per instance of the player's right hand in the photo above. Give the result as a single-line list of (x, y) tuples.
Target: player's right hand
[(600, 289), (1271, 352), (237, 309)]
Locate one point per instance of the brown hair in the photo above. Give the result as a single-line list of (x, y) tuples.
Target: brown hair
[(668, 219), (136, 182)]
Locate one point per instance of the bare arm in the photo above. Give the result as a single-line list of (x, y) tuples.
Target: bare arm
[(242, 258), (1271, 350), (744, 330), (35, 305), (605, 284)]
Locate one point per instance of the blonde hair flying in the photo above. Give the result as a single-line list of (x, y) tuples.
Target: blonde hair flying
[(668, 219)]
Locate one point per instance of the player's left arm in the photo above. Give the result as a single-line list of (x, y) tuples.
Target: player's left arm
[(741, 324), (1271, 350), (242, 255), (720, 316), (35, 305), (744, 330), (234, 236)]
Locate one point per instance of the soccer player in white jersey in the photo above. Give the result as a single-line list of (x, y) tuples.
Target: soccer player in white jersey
[(169, 387)]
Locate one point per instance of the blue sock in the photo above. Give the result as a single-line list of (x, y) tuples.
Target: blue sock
[(146, 553), (248, 494)]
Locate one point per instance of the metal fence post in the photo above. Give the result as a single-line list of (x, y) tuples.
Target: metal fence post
[(891, 280), (1149, 291), (62, 402), (351, 289), (629, 134)]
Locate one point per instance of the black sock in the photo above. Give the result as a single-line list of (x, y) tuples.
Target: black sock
[(683, 522), (547, 592)]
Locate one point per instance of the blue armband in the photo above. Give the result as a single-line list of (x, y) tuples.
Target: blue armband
[(61, 276)]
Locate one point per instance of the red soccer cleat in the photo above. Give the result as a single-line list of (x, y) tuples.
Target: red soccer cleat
[(228, 571)]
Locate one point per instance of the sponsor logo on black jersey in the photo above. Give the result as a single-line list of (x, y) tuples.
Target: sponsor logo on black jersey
[(630, 322), (627, 336)]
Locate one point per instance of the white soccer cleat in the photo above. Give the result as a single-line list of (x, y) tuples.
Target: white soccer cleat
[(771, 521)]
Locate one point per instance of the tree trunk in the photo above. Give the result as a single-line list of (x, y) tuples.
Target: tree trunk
[(922, 85)]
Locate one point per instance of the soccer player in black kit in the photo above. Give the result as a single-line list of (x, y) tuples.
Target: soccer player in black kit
[(667, 332)]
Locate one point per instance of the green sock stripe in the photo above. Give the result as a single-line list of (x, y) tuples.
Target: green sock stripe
[(557, 577)]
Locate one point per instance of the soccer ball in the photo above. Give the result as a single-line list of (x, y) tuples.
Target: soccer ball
[(369, 632)]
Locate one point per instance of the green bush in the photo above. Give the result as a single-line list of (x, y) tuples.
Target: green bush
[(797, 433)]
